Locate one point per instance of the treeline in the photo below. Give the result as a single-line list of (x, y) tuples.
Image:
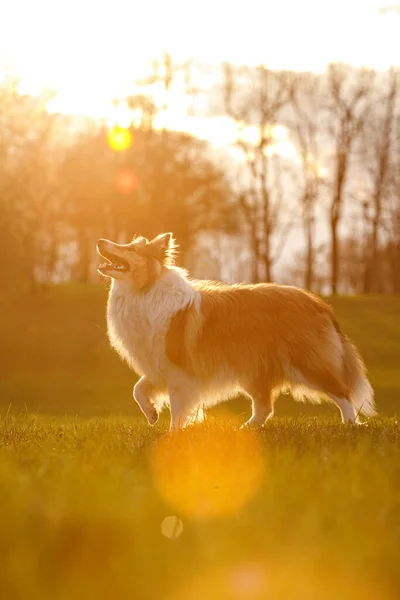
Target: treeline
[(312, 175)]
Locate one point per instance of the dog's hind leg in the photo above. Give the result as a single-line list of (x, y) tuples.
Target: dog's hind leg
[(142, 393), (347, 409)]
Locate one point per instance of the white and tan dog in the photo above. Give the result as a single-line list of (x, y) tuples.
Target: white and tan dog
[(198, 342)]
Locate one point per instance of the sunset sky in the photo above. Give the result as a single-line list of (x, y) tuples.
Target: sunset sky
[(90, 50)]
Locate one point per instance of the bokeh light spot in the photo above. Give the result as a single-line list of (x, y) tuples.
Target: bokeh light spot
[(207, 472), (248, 581), (126, 181), (171, 527), (119, 139)]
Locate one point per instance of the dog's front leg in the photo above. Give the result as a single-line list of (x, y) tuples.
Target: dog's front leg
[(182, 398), (142, 393)]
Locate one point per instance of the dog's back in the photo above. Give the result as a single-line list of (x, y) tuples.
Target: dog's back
[(265, 338), (248, 328)]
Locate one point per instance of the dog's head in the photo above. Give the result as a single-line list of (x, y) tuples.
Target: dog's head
[(141, 262)]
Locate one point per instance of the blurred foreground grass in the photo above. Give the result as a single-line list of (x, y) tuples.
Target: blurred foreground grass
[(306, 509), (55, 356)]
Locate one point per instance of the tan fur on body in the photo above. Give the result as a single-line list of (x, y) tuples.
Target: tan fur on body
[(212, 340)]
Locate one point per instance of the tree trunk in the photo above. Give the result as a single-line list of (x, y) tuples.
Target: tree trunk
[(268, 226), (371, 267), (383, 152), (309, 274), (255, 251), (334, 255), (308, 203), (267, 258), (335, 217)]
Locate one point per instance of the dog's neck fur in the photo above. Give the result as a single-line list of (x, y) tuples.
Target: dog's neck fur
[(138, 321)]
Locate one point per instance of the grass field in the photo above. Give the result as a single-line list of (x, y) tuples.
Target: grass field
[(307, 509), (96, 504)]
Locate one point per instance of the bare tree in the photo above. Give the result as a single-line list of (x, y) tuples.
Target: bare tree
[(306, 104), (348, 107), (379, 139), (255, 98)]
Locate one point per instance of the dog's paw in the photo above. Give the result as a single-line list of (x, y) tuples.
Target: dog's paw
[(252, 424), (152, 416)]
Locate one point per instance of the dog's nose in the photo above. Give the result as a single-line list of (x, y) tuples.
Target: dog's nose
[(101, 242)]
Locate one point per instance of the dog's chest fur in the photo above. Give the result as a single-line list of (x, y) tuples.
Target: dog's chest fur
[(138, 323)]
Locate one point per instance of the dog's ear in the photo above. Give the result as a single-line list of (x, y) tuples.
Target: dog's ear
[(163, 248), (139, 239), (163, 241)]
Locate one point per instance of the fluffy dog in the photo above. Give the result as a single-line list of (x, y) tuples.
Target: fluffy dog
[(196, 343)]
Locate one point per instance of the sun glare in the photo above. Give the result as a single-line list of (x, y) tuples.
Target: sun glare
[(120, 116), (84, 105), (119, 139), (104, 61), (208, 472)]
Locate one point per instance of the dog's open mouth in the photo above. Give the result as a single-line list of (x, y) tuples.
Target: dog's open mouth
[(114, 263)]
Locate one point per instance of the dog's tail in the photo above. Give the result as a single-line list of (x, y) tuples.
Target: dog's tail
[(355, 375)]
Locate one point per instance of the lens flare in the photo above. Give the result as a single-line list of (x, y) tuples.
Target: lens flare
[(171, 527), (119, 139), (126, 181), (247, 581), (208, 472)]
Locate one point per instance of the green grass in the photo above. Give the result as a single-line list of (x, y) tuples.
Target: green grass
[(306, 509)]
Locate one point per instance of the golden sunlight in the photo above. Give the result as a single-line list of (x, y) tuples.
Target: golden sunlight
[(119, 139), (283, 577), (105, 60), (206, 472), (121, 116)]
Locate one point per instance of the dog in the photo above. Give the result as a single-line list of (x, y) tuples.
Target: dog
[(195, 343)]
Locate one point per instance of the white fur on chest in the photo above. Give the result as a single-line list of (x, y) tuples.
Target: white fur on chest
[(138, 323)]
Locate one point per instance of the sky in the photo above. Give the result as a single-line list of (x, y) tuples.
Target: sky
[(91, 50)]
